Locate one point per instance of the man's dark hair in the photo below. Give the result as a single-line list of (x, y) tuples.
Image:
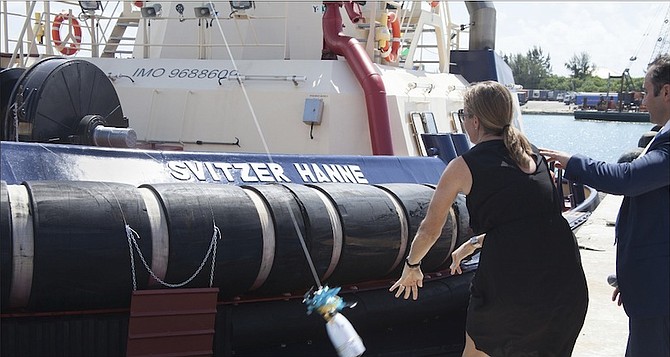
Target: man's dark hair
[(660, 72)]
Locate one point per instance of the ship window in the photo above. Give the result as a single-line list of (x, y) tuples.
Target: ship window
[(456, 125), (429, 124), (417, 126)]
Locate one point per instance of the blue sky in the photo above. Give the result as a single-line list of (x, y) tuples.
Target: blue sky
[(611, 32)]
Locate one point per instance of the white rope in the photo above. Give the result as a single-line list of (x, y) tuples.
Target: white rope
[(265, 147), (304, 247), (244, 90)]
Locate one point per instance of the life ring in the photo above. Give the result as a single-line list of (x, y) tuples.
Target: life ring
[(390, 50), (63, 46), (434, 3)]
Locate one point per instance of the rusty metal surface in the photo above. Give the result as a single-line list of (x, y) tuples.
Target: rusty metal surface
[(172, 322)]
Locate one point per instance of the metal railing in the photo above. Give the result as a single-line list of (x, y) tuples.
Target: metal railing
[(113, 30), (27, 36)]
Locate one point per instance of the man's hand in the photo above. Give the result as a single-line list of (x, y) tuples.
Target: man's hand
[(617, 296), (560, 158)]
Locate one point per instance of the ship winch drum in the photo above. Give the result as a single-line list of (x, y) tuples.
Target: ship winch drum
[(8, 79), (54, 95)]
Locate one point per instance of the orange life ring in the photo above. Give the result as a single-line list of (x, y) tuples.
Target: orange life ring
[(139, 4), (63, 46), (434, 3), (391, 55)]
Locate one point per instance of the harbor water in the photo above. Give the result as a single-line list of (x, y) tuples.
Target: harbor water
[(600, 140), (606, 141)]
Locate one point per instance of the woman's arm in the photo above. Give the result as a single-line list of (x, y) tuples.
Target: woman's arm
[(455, 178), (465, 250)]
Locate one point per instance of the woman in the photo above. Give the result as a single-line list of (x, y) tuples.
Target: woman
[(529, 295)]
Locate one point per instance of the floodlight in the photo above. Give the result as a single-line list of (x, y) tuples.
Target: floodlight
[(90, 5), (241, 5)]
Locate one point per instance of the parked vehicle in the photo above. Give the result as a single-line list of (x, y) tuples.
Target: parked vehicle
[(523, 97)]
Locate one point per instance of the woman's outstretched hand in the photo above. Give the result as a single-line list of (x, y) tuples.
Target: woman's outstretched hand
[(458, 255), (560, 158), (410, 282)]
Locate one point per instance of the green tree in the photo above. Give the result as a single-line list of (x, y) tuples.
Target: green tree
[(555, 82), (593, 84), (638, 84), (531, 69), (580, 65)]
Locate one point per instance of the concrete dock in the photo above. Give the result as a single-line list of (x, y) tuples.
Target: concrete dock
[(605, 330), (547, 107)]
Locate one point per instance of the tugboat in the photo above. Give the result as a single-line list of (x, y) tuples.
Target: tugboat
[(215, 161)]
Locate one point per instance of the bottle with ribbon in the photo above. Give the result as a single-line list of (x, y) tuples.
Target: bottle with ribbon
[(342, 334)]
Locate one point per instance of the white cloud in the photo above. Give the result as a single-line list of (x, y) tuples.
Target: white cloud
[(610, 32)]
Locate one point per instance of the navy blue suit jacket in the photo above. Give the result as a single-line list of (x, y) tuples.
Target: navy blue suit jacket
[(643, 224)]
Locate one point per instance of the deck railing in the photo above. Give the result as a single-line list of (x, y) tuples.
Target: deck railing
[(118, 29)]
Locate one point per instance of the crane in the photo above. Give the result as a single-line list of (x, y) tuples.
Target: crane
[(662, 45)]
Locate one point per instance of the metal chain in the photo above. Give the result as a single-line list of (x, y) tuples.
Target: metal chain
[(133, 236), (129, 232)]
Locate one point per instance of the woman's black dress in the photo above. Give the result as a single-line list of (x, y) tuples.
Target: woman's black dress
[(529, 295)]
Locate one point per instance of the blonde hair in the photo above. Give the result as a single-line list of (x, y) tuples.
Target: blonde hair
[(492, 104)]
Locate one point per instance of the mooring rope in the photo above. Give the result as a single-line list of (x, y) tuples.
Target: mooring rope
[(266, 148)]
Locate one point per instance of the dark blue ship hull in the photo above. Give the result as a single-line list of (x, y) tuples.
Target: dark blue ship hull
[(65, 247)]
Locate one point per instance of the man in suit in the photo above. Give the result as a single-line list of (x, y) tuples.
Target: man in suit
[(643, 223)]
